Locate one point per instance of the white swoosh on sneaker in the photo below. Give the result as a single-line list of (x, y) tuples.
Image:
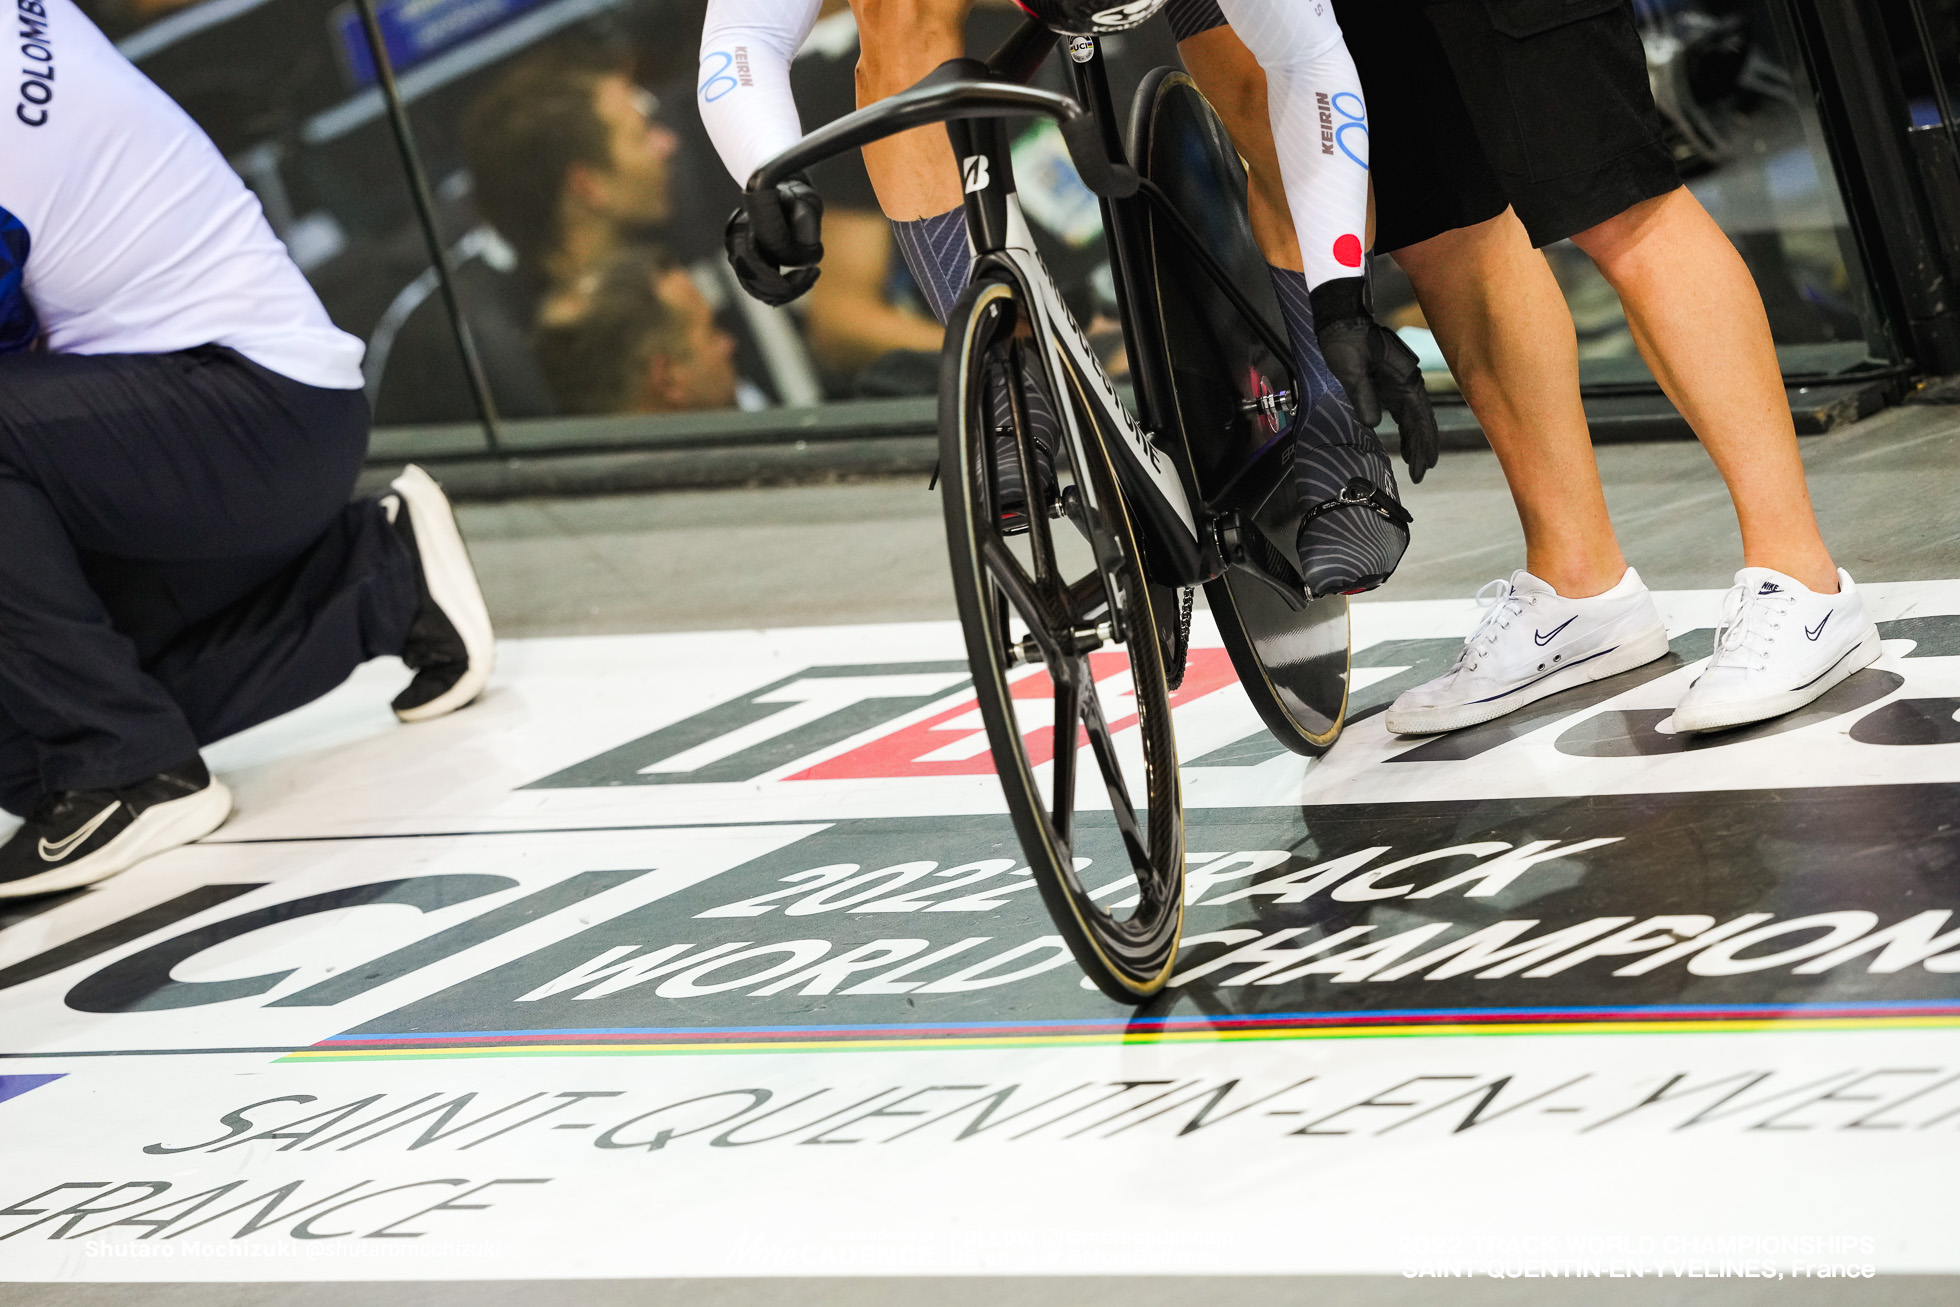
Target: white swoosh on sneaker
[(62, 848)]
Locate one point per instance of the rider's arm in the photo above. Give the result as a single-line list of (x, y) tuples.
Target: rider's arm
[(743, 85), (1320, 126)]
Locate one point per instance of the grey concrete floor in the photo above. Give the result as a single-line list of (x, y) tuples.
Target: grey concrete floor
[(1885, 491), (712, 559)]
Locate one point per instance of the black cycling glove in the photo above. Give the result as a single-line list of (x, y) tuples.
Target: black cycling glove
[(1376, 369), (775, 240)]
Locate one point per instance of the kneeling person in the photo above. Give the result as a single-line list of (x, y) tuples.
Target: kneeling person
[(181, 426)]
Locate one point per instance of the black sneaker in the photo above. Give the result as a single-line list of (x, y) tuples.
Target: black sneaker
[(77, 837), (450, 646)]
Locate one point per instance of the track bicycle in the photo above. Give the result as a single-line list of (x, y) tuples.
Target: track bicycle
[(1141, 502)]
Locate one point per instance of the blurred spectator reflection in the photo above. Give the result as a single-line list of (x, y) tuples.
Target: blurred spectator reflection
[(570, 166), (636, 335)]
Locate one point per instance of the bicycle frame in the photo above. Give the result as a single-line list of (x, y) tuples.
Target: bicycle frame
[(1000, 234), (1131, 492), (1187, 547)]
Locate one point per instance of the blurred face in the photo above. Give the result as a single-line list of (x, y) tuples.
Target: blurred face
[(703, 376), (638, 187)]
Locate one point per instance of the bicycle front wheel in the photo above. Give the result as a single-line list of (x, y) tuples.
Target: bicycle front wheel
[(1063, 643)]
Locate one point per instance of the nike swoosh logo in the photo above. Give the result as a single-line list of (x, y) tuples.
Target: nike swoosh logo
[(1552, 634), (1820, 628), (62, 848)]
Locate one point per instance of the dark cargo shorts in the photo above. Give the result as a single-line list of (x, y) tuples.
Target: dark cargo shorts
[(1475, 105)]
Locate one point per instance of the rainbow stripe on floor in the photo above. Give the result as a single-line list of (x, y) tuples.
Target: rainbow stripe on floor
[(1197, 1029)]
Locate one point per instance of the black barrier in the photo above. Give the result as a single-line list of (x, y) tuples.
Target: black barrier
[(418, 188), (1889, 181)]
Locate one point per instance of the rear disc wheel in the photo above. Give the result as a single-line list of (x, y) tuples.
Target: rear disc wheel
[(1292, 659)]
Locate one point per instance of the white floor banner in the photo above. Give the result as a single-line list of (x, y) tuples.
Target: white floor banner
[(714, 955)]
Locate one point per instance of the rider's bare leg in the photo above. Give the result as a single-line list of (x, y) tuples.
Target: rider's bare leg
[(918, 186), (1501, 321), (900, 41)]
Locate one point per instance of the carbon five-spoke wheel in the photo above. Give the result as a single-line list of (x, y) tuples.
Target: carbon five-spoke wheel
[(1067, 665)]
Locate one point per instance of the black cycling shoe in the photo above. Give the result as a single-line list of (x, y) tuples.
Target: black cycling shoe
[(77, 837), (1044, 433), (1010, 487), (1353, 529), (450, 646)]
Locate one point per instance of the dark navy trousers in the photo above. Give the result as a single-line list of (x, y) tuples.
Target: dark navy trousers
[(179, 560)]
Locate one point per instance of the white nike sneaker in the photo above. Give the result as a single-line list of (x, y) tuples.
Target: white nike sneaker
[(1781, 645), (1534, 642)]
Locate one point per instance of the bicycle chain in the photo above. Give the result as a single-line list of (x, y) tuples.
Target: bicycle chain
[(1181, 648)]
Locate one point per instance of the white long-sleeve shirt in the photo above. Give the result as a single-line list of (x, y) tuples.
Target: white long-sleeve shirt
[(126, 230)]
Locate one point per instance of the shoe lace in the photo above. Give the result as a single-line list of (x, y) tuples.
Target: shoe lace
[(1750, 621), (1501, 602)]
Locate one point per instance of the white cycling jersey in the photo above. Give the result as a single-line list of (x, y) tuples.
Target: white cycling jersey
[(1319, 117)]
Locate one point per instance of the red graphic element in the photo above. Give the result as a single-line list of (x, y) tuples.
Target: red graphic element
[(952, 742), (1347, 251)]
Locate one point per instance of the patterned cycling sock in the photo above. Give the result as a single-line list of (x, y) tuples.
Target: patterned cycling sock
[(935, 250), (1296, 306), (1044, 433), (1349, 548)]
